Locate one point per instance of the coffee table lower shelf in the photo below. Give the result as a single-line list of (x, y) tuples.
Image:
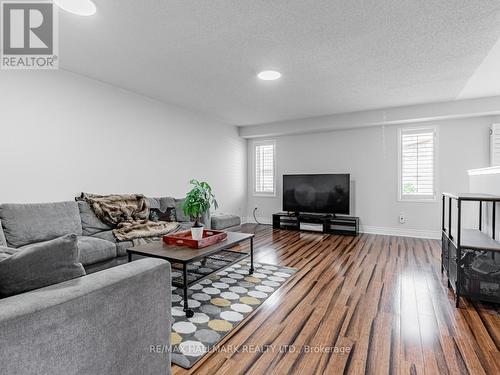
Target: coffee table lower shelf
[(206, 267), (196, 277), (196, 264)]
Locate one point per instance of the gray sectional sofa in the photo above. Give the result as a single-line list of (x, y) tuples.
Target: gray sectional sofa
[(25, 224), (103, 323)]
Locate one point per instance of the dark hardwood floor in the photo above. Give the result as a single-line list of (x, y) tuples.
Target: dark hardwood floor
[(383, 297)]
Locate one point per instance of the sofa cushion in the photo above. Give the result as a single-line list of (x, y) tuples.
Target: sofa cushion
[(91, 224), (168, 215), (25, 224), (154, 203), (107, 235), (121, 246), (181, 216), (6, 252), (166, 202), (39, 265), (161, 203), (95, 250), (3, 241)]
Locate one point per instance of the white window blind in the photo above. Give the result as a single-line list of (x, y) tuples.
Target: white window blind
[(417, 164), (264, 168), (495, 145)]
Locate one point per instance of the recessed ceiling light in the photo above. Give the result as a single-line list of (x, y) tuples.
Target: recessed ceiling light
[(78, 7), (269, 75)]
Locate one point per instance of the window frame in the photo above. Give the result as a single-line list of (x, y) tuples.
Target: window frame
[(415, 198), (254, 164)]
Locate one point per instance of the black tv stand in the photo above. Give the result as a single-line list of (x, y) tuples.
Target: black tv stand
[(325, 223)]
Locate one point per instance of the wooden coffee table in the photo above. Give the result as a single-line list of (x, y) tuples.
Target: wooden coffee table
[(185, 256)]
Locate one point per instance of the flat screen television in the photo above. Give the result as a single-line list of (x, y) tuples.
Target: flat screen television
[(316, 193)]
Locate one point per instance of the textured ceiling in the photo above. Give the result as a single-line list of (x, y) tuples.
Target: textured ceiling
[(335, 56)]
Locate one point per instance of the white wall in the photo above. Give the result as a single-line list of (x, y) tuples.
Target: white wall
[(61, 134), (370, 156)]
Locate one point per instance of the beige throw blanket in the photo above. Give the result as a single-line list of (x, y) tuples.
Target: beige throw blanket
[(129, 215)]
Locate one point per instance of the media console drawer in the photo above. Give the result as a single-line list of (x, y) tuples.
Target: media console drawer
[(311, 227)]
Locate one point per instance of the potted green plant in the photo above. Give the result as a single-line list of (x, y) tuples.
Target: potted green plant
[(198, 201)]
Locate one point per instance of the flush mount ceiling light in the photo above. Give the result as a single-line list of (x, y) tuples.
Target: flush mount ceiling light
[(269, 75), (78, 7)]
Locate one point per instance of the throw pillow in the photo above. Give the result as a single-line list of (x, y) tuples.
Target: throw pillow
[(39, 265), (155, 214)]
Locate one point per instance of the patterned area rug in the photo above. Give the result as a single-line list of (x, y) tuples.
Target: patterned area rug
[(220, 303)]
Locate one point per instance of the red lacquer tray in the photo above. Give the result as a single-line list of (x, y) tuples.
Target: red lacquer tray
[(210, 237)]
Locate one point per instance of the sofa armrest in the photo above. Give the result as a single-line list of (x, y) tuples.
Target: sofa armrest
[(103, 323)]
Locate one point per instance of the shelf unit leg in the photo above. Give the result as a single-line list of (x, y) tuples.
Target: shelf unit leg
[(459, 254), (449, 218), (443, 204), (480, 215), (493, 220)]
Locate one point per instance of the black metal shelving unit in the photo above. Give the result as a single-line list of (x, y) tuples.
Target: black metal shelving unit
[(458, 253)]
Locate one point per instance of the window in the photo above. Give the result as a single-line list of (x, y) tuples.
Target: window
[(417, 164), (264, 164)]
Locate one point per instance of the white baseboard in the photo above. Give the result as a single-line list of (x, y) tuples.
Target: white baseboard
[(400, 232), (387, 231), (262, 220)]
